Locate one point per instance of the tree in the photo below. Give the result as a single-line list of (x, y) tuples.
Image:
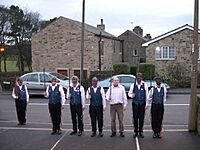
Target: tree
[(23, 25)]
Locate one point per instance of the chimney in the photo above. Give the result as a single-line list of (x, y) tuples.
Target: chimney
[(148, 37), (138, 30), (101, 26)]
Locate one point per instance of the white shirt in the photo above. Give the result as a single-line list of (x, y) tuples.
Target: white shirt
[(20, 87), (60, 90), (165, 91), (82, 90), (117, 95), (130, 93), (102, 94)]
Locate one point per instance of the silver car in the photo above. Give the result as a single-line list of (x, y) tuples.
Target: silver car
[(37, 82)]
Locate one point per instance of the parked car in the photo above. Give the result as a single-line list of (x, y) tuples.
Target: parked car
[(126, 80), (152, 83), (37, 82)]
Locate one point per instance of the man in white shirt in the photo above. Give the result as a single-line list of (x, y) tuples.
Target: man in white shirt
[(139, 93), (96, 95), (21, 96), (56, 96), (76, 95), (158, 96), (117, 96)]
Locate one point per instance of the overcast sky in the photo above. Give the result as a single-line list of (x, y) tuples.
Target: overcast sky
[(154, 16)]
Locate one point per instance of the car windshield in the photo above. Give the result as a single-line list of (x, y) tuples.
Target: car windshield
[(59, 76)]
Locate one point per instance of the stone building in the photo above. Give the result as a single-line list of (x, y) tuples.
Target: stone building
[(57, 48), (171, 48), (134, 53)]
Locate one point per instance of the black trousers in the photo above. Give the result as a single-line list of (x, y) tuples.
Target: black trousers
[(77, 112), (157, 112), (55, 113), (138, 116), (96, 115), (21, 110)]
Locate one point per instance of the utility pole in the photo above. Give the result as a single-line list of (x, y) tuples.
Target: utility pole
[(192, 124), (82, 42), (100, 50)]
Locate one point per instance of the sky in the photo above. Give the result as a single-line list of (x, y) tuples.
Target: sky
[(154, 16)]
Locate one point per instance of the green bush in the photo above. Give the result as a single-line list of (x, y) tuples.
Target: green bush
[(133, 70), (121, 68), (148, 71)]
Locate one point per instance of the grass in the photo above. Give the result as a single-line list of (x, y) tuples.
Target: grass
[(11, 66)]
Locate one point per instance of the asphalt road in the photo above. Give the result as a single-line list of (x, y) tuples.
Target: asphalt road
[(36, 134)]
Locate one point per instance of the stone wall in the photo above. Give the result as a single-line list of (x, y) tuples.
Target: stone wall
[(132, 42), (59, 44), (182, 41)]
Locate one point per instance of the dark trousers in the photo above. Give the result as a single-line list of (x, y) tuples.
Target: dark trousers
[(138, 116), (96, 114), (21, 110), (76, 112), (157, 111), (55, 113)]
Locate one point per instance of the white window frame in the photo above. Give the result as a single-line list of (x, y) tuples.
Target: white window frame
[(161, 53)]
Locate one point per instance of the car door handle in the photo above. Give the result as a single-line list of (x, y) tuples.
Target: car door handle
[(27, 83)]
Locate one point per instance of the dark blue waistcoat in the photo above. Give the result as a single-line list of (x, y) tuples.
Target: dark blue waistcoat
[(158, 97), (96, 98), (75, 98), (54, 95), (140, 94), (21, 93)]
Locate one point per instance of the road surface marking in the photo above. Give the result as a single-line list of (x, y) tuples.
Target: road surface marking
[(137, 143), (86, 130), (54, 146), (70, 124), (45, 104)]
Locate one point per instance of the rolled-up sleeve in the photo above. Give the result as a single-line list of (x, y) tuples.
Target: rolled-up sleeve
[(47, 92), (62, 93), (124, 97), (27, 95), (103, 97), (13, 94), (82, 96), (130, 92)]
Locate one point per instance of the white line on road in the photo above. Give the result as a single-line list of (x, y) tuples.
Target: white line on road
[(70, 124), (86, 130), (45, 104), (54, 146), (137, 143)]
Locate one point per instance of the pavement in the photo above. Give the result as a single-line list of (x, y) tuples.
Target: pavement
[(36, 134)]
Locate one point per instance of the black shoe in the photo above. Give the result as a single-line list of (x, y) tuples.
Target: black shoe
[(73, 132), (141, 135), (135, 135), (122, 134), (59, 132), (79, 133), (113, 134), (93, 134), (101, 134), (53, 132), (159, 136), (155, 135), (24, 123)]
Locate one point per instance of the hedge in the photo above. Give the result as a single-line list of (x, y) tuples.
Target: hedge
[(148, 71), (122, 68)]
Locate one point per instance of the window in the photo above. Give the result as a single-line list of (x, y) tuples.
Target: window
[(31, 78), (127, 80), (135, 52), (48, 78), (165, 53)]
